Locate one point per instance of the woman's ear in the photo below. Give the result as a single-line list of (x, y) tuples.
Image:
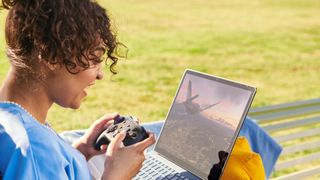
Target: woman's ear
[(52, 67), (47, 64)]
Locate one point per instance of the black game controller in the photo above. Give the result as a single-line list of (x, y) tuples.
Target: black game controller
[(135, 133)]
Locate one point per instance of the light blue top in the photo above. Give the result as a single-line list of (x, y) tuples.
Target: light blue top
[(30, 150)]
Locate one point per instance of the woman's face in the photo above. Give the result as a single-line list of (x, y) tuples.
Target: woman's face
[(68, 90)]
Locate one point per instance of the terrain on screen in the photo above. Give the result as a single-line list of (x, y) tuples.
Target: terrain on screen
[(202, 121)]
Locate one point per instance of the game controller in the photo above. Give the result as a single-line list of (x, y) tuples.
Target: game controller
[(135, 133)]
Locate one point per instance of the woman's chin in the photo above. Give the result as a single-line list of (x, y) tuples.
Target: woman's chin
[(74, 103), (75, 106)]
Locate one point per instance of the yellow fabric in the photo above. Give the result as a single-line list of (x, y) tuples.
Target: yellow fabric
[(243, 163)]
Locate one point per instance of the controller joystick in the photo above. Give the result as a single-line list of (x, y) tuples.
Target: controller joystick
[(135, 133)]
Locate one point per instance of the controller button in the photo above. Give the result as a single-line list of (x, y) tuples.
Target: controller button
[(119, 119), (113, 128)]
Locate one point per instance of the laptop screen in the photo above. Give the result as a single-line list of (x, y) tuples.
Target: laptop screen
[(203, 122)]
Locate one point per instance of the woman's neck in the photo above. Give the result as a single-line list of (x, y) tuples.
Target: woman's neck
[(30, 94)]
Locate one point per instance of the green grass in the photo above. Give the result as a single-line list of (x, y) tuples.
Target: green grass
[(271, 44)]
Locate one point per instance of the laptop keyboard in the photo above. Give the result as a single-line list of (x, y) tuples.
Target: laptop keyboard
[(155, 169)]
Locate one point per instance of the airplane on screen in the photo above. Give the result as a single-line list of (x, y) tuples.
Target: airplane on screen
[(193, 107)]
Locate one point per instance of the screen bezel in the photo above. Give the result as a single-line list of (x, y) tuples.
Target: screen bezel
[(186, 166)]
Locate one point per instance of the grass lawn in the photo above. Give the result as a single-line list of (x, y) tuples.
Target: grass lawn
[(271, 44)]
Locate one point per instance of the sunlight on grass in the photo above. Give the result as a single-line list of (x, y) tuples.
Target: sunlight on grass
[(274, 45)]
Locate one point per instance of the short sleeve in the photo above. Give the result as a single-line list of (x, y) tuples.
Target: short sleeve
[(15, 162)]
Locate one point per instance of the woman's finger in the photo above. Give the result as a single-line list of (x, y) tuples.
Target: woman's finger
[(116, 143), (142, 145)]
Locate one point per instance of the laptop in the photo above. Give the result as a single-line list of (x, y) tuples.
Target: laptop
[(200, 129)]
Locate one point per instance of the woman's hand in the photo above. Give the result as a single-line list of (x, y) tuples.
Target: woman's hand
[(85, 143), (124, 162)]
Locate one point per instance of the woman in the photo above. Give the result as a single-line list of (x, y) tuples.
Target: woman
[(55, 50)]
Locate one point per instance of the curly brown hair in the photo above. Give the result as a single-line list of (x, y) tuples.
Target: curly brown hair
[(63, 32)]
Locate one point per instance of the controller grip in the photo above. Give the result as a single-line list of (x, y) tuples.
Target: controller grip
[(138, 134), (102, 139)]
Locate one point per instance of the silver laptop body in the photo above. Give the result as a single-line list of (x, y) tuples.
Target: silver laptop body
[(200, 130)]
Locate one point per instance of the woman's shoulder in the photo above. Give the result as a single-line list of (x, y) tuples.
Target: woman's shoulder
[(12, 130), (31, 145), (14, 142), (14, 126), (19, 129)]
